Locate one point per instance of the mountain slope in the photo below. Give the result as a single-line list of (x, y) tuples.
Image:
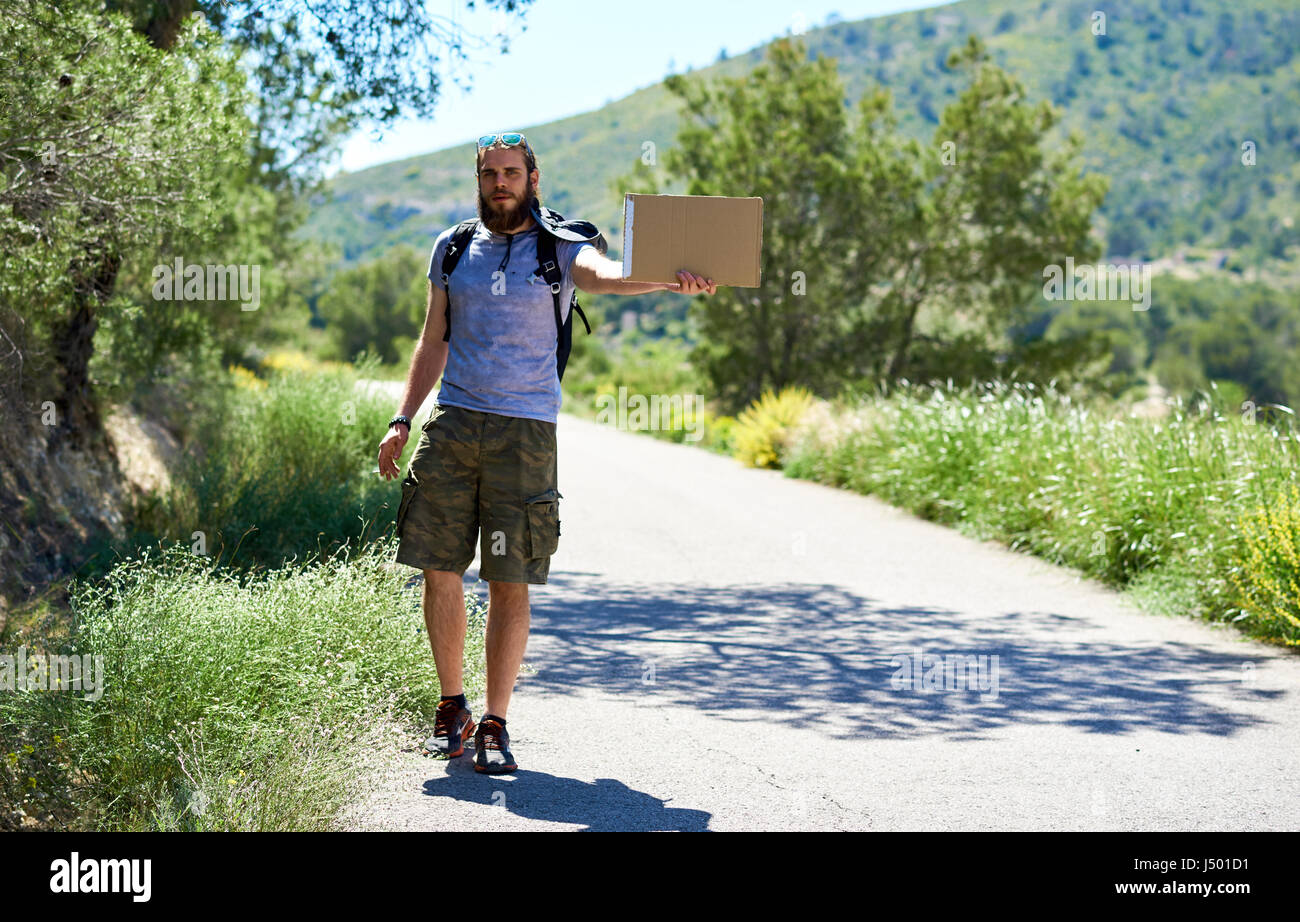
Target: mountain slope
[(1165, 100)]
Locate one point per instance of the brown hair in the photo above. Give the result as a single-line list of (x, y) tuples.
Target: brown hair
[(530, 161)]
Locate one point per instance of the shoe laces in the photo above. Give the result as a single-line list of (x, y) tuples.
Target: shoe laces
[(445, 719), (491, 731)]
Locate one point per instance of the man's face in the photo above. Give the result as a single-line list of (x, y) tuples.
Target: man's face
[(505, 190)]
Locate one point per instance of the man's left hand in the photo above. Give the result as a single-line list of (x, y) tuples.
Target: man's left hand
[(692, 284)]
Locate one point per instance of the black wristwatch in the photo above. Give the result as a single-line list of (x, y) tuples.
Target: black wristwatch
[(400, 419)]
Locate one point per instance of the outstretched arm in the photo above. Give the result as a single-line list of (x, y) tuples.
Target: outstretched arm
[(600, 275)]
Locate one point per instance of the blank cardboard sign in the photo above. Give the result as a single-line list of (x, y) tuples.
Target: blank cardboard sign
[(715, 236)]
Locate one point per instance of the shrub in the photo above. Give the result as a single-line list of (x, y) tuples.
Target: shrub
[(719, 432), (291, 360), (1136, 503), (1266, 577), (279, 468), (762, 431), (227, 702)]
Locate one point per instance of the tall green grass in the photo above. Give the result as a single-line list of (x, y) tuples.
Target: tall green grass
[(230, 701), (241, 691), (279, 469), (1154, 505)]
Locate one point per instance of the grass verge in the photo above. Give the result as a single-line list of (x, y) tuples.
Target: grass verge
[(228, 701), (1176, 509)]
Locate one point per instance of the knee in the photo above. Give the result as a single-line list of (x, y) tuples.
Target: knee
[(442, 579), (506, 591)]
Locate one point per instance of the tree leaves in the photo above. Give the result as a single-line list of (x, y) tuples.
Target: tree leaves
[(865, 228)]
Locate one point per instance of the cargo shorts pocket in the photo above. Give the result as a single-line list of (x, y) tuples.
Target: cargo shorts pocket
[(543, 523), (409, 486)]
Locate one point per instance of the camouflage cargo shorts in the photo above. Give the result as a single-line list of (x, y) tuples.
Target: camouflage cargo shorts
[(470, 470)]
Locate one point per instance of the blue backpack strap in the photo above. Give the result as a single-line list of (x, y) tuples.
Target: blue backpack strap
[(456, 248)]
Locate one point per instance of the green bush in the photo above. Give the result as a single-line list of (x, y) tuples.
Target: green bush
[(1130, 501), (761, 432), (378, 306), (719, 433), (279, 468), (1266, 577), (228, 702)]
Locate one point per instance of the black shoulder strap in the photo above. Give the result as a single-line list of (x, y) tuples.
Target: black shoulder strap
[(456, 248), (549, 267)]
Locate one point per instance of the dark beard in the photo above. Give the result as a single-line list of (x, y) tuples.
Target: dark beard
[(509, 222)]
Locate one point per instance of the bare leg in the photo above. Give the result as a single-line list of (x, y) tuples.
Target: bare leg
[(507, 636), (444, 616)]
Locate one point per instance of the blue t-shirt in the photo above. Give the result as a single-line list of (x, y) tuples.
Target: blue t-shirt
[(501, 354)]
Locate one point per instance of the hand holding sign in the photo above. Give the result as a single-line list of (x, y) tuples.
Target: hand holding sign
[(691, 284)]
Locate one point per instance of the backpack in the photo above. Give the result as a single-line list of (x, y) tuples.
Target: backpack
[(550, 225)]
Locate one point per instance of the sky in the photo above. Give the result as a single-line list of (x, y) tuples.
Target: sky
[(624, 45)]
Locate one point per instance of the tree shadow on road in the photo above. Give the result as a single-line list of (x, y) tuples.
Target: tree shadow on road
[(818, 654)]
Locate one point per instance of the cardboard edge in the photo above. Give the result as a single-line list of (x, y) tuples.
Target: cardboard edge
[(628, 205)]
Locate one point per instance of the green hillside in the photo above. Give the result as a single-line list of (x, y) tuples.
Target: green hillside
[(1164, 100)]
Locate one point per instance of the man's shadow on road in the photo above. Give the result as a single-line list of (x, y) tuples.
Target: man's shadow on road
[(608, 805)]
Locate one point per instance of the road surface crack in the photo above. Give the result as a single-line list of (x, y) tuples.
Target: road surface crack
[(772, 780)]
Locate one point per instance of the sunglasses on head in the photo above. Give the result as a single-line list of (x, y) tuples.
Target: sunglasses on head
[(507, 139)]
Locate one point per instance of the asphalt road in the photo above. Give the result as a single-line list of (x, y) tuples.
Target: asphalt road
[(716, 650)]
